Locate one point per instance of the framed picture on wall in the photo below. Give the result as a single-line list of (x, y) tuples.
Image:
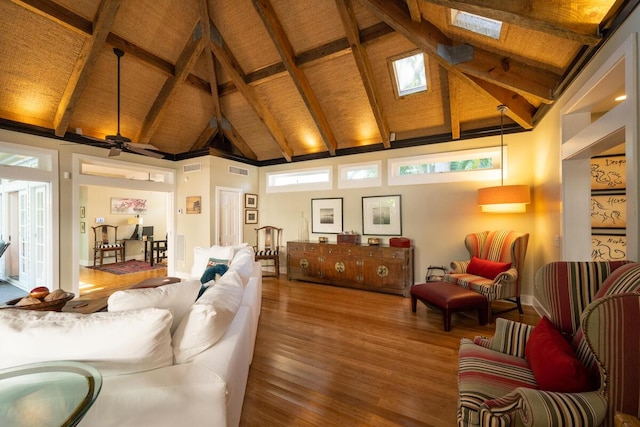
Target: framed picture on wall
[(608, 211), (382, 215), (250, 216), (251, 201), (609, 173), (608, 247), (194, 204), (326, 215)]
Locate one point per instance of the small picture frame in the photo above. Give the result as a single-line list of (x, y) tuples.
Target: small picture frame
[(251, 216), (326, 215), (194, 204), (251, 201), (382, 215), (82, 212)]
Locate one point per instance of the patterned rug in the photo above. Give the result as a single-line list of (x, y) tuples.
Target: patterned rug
[(127, 267)]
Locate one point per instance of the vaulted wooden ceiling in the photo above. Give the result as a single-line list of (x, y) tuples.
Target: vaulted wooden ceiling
[(281, 80)]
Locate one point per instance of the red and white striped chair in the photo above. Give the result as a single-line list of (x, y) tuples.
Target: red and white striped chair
[(484, 273), (597, 306)]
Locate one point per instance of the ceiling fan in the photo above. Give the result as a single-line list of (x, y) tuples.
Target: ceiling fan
[(118, 142)]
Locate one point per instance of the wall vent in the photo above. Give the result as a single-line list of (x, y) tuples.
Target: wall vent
[(180, 247), (238, 171), (192, 167)]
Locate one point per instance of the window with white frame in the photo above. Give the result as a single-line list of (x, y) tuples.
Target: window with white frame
[(409, 73), (300, 180), (476, 23), (360, 175), (480, 164)]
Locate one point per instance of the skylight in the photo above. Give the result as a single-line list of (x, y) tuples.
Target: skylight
[(476, 23), (410, 74)]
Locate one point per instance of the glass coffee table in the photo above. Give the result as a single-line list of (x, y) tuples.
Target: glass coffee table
[(47, 394)]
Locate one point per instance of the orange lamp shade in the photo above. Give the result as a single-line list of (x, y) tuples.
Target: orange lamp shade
[(504, 198)]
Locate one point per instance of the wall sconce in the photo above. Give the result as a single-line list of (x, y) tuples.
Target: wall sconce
[(505, 198), (137, 220)]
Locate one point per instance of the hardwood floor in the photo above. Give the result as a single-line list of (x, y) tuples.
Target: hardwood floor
[(329, 356), (98, 284)]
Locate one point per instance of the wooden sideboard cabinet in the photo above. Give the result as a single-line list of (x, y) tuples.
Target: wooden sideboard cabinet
[(372, 268)]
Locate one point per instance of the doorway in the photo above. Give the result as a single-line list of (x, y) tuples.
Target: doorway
[(28, 210), (111, 178), (228, 216)]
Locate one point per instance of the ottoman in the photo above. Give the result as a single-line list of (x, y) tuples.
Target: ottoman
[(449, 297)]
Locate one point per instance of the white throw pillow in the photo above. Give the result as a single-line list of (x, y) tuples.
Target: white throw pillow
[(243, 263), (208, 319), (177, 297), (115, 343)]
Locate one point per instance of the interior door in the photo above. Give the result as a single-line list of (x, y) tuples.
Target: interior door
[(229, 223)]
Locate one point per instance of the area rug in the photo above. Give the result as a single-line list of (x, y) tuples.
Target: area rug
[(128, 267)]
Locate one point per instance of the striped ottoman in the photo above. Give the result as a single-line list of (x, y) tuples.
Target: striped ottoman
[(449, 297)]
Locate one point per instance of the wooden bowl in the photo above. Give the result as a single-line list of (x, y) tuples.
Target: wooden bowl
[(43, 306)]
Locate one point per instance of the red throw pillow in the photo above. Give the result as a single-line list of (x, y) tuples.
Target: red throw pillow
[(553, 362), (486, 268)]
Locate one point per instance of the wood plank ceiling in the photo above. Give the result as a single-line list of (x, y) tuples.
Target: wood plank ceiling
[(281, 80)]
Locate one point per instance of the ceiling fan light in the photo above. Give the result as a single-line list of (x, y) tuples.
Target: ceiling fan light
[(504, 198), (114, 151)]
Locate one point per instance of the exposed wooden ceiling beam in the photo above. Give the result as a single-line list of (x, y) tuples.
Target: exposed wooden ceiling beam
[(520, 110), (237, 140), (84, 65), (454, 106), (142, 54), (518, 13), (59, 14), (414, 10), (322, 52), (205, 136), (284, 47), (233, 69), (350, 25), (184, 65), (205, 21), (426, 36), (486, 65)]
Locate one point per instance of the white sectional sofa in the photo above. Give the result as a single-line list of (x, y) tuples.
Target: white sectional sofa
[(196, 384)]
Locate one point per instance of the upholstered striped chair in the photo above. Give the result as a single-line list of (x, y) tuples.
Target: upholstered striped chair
[(489, 250), (597, 306)]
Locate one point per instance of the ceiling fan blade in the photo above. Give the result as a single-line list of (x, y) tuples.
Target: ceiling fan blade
[(115, 151), (144, 152)]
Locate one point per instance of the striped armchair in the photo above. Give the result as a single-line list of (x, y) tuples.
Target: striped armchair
[(508, 247), (597, 304)]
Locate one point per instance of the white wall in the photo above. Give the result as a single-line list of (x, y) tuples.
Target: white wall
[(436, 217)]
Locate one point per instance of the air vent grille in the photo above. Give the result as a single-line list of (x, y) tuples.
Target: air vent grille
[(180, 253), (192, 167), (238, 171)]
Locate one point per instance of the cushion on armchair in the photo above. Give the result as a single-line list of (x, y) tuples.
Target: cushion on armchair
[(553, 362), (486, 268)]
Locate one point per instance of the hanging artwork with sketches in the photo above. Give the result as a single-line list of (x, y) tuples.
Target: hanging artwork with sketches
[(607, 247), (608, 173), (126, 205), (609, 211)]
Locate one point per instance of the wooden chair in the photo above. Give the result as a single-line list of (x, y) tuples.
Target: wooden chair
[(267, 248), (106, 241)]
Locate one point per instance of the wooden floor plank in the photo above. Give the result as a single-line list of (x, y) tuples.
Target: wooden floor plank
[(329, 356)]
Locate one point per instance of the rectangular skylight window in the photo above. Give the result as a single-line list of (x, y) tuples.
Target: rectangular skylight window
[(410, 74), (476, 23)]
